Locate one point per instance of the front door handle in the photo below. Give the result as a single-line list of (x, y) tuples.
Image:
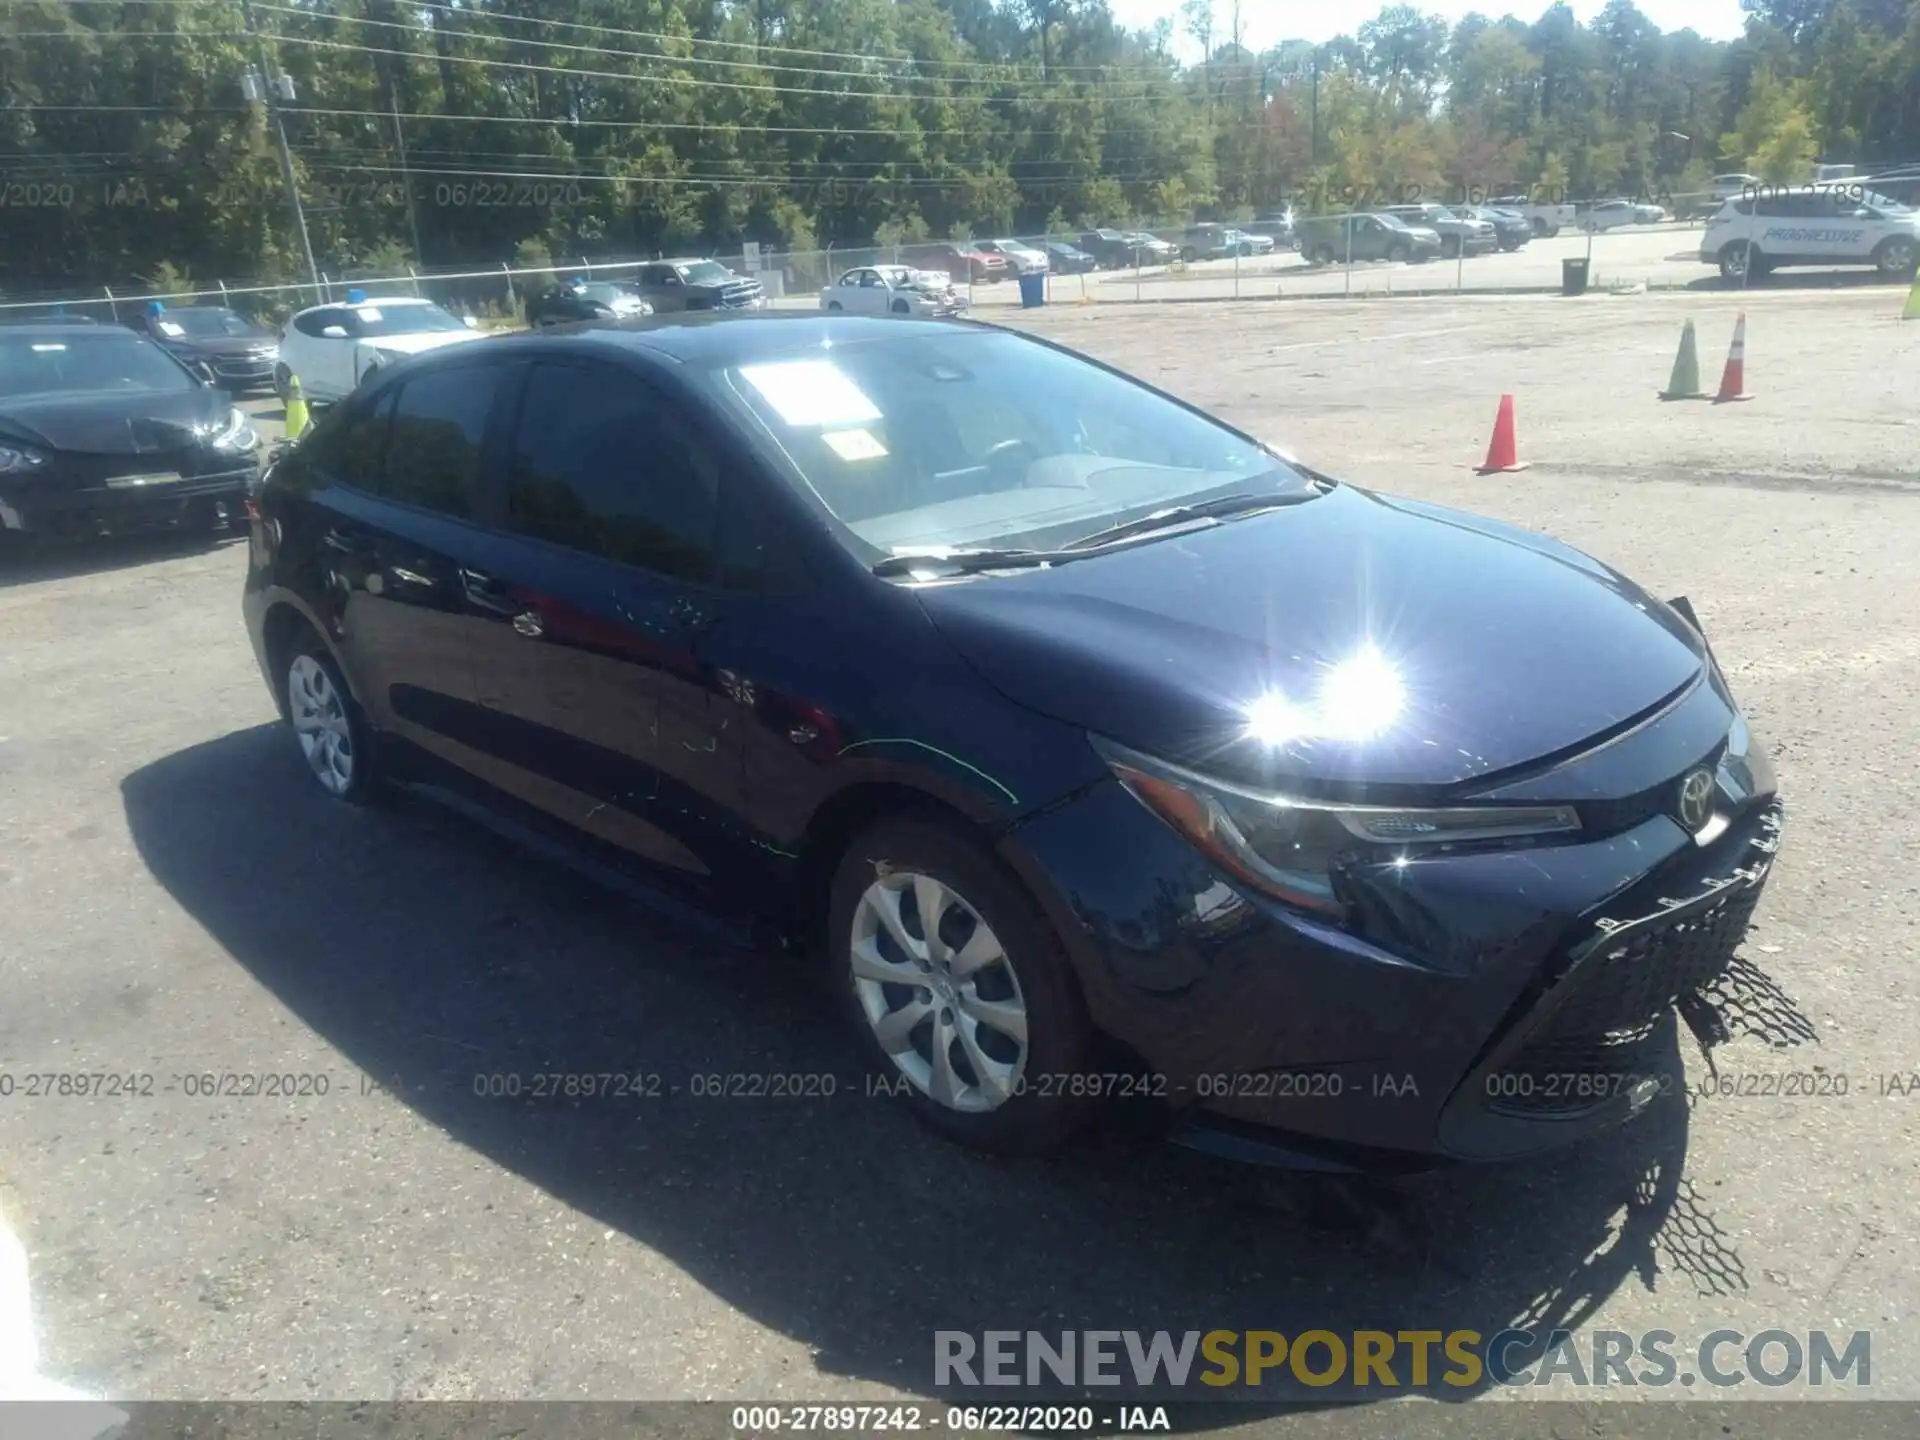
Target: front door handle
[(488, 593)]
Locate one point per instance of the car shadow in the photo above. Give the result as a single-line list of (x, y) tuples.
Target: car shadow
[(431, 954), (1854, 279), (27, 559)]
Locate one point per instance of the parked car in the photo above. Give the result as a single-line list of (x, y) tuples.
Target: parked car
[(1250, 243), (240, 352), (1547, 219), (331, 348), (1208, 242), (1747, 238), (1045, 711), (686, 284), (1065, 259), (103, 430), (964, 264), (1511, 229), (1151, 249), (893, 290), (1459, 234), (1611, 214), (580, 299), (1277, 225), (1734, 185), (1023, 258), (1110, 249), (1335, 239)]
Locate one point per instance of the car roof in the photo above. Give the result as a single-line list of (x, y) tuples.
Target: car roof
[(55, 329), (703, 339), (387, 300)]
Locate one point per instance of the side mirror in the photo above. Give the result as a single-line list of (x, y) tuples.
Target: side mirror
[(204, 370), (334, 332)]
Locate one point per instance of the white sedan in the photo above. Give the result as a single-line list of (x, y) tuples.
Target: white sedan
[(1610, 213), (892, 290), (332, 348)]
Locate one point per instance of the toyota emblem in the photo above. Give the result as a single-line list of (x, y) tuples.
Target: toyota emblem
[(1696, 800)]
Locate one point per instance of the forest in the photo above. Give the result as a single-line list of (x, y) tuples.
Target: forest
[(138, 141)]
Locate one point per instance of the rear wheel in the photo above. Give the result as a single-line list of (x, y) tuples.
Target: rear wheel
[(900, 307), (1320, 255), (329, 727), (1397, 253), (958, 987), (1896, 256)]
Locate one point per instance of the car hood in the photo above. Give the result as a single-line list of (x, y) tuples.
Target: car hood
[(420, 343), (1505, 647), (220, 344), (113, 424)]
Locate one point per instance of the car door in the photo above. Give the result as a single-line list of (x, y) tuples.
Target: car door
[(403, 509), (858, 286), (597, 699)]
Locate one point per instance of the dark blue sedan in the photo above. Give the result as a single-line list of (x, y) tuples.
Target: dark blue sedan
[(1096, 750)]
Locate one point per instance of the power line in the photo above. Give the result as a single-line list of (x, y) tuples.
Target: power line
[(531, 68), (1003, 79)]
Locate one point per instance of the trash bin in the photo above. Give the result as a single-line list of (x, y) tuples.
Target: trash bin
[(1573, 277), (1033, 290)]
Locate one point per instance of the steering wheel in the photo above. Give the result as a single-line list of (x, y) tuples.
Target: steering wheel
[(1007, 462)]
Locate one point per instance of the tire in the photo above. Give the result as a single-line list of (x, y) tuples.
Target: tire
[(834, 305), (283, 383), (1450, 247), (1320, 255), (1397, 254), (1026, 978), (1737, 259), (1896, 257), (1541, 228), (328, 727), (900, 307), (1188, 256)]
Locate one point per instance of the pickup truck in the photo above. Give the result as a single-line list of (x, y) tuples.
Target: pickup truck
[(1545, 219)]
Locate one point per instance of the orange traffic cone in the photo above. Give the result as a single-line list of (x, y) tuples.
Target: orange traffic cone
[(1733, 380), (1502, 454)]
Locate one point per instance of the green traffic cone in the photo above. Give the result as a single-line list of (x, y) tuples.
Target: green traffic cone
[(1685, 384)]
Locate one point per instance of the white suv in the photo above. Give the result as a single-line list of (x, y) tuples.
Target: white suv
[(333, 347), (1837, 224)]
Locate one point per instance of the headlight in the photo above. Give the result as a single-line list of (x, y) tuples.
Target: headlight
[(232, 435), (1287, 846), (15, 457)]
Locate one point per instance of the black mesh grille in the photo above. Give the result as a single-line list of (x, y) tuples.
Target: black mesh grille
[(1595, 1040)]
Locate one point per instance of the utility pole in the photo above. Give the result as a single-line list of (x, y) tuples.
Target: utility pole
[(256, 86), (1315, 161)]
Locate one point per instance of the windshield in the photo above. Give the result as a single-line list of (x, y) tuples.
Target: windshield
[(202, 322), (705, 272), (405, 320), (44, 365), (605, 291), (966, 440)]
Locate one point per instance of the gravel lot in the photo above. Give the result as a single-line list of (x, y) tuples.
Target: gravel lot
[(175, 900)]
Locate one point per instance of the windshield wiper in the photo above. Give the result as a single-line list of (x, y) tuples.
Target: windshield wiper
[(1215, 509), (962, 562)]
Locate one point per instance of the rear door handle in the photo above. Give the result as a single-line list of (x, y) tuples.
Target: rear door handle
[(486, 592), (346, 538)]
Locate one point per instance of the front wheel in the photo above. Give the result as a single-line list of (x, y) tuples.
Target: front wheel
[(1320, 255), (283, 383), (1739, 261), (1188, 255), (1896, 257), (833, 305), (958, 988), (899, 307), (1397, 254)]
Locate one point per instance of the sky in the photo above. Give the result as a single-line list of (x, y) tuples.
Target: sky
[(1268, 21)]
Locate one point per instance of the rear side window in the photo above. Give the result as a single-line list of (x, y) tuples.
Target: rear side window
[(435, 439), (601, 465), (315, 321)]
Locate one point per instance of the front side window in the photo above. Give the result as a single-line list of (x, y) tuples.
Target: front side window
[(705, 272), (350, 451), (111, 362), (969, 439), (602, 466), (434, 442)]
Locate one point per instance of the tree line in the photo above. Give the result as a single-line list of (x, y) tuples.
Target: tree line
[(464, 134)]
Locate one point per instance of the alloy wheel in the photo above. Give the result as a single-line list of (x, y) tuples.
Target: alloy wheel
[(939, 992), (320, 724), (1896, 257)]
